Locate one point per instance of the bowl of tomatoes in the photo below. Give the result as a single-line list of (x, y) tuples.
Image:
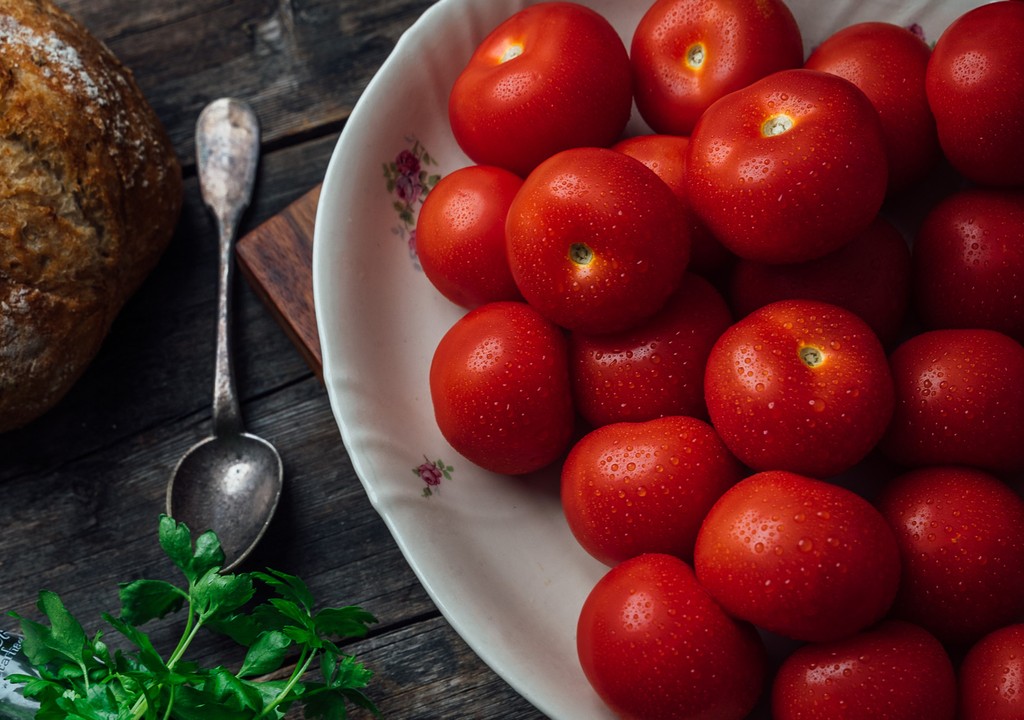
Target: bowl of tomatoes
[(677, 344)]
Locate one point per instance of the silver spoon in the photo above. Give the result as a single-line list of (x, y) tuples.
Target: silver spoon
[(230, 482)]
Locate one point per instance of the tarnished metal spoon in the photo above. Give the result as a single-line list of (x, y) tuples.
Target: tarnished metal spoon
[(229, 483)]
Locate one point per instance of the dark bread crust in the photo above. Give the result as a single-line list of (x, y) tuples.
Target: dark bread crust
[(90, 193)]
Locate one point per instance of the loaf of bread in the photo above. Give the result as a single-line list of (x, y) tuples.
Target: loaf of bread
[(90, 193)]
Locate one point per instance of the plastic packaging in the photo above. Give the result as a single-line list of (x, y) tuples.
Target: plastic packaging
[(14, 705)]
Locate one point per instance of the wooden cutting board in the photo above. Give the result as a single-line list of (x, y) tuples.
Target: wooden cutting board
[(277, 260)]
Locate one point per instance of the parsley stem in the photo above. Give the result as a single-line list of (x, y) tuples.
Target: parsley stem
[(305, 660), (140, 707), (170, 704), (85, 676), (191, 629)]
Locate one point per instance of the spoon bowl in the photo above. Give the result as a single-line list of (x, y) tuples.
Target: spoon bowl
[(229, 483)]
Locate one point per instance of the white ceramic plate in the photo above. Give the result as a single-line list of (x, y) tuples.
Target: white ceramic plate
[(493, 552)]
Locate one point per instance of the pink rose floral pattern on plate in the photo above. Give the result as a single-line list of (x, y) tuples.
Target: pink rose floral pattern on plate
[(432, 473), (409, 179)]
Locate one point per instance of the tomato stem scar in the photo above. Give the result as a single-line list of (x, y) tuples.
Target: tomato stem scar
[(695, 55), (514, 50), (777, 125), (581, 254), (811, 356)]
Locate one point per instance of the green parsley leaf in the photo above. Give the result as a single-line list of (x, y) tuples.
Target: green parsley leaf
[(219, 595), (267, 654), (80, 679), (288, 587), (145, 600), (208, 554), (147, 655), (345, 621), (64, 639), (176, 542)]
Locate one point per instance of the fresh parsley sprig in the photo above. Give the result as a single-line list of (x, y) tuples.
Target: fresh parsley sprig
[(82, 678)]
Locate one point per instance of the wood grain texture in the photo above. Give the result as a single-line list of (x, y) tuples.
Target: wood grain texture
[(277, 260), (81, 488), (302, 64)]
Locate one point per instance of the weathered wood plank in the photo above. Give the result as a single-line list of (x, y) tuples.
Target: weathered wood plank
[(427, 672), (277, 259), (302, 64)]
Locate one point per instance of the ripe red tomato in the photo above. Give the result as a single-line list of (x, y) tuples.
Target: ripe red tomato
[(961, 538), (888, 62), (553, 76), (654, 370), (799, 385), (895, 671), (688, 53), (969, 261), (596, 241), (799, 557), (460, 235), (655, 646), (633, 488), (666, 156), (959, 401), (992, 677), (788, 168), (499, 382), (976, 91), (870, 276)]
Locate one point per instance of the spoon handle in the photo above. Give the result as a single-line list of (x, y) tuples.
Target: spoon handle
[(227, 154), (227, 414)]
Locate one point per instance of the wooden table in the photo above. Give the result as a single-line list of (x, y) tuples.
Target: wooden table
[(81, 488)]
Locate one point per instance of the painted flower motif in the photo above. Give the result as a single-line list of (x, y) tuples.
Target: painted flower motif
[(408, 189), (408, 179), (407, 163), (431, 473)]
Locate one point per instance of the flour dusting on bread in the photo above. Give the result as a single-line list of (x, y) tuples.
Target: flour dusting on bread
[(90, 192), (54, 57)]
